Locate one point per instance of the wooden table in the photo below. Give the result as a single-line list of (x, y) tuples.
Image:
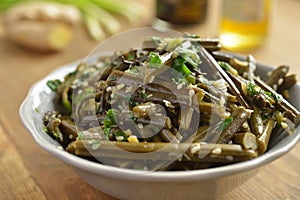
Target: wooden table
[(28, 172)]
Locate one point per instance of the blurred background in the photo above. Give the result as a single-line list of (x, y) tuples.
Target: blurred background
[(243, 26), (75, 27)]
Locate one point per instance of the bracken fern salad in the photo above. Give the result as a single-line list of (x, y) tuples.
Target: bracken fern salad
[(174, 104)]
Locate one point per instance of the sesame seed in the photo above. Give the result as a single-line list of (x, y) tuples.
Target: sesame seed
[(229, 158), (85, 83), (217, 151), (284, 125), (121, 86), (112, 95), (269, 73), (149, 95), (151, 79), (108, 89), (128, 132), (120, 138), (179, 86), (285, 70), (128, 89), (79, 91), (227, 114), (243, 115), (195, 148), (245, 125), (280, 81)]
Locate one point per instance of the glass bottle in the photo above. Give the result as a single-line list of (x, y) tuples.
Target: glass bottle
[(244, 24), (181, 12)]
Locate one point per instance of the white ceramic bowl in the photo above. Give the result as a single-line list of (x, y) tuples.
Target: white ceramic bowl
[(134, 184)]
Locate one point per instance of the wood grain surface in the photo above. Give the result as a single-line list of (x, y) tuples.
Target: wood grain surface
[(28, 172)]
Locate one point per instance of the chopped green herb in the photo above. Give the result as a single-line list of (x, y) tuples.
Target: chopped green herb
[(191, 79), (132, 102), (45, 129), (57, 135), (81, 136), (157, 40), (179, 80), (109, 121), (132, 117), (173, 43), (120, 133), (53, 84), (277, 97), (112, 77), (190, 56), (107, 132), (226, 123), (142, 95), (269, 94), (228, 68), (178, 65), (133, 70), (89, 90), (252, 89), (154, 60), (189, 35), (74, 73), (130, 56)]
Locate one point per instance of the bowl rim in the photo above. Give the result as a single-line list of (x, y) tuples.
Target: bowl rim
[(130, 174)]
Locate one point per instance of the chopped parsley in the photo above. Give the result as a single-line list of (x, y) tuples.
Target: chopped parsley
[(109, 119), (53, 84), (142, 95), (154, 60), (46, 129), (133, 69), (190, 56), (156, 40), (132, 101), (277, 97), (226, 123), (112, 77), (37, 110), (109, 122), (179, 65), (130, 56), (228, 67), (252, 89)]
